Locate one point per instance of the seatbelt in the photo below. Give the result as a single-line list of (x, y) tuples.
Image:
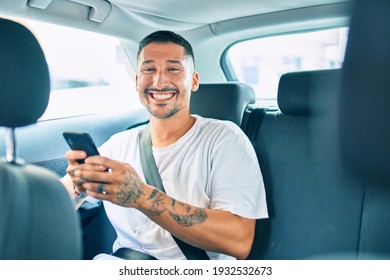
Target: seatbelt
[(152, 177)]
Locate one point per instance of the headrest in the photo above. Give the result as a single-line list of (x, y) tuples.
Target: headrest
[(308, 92), (224, 101), (365, 93), (24, 76)]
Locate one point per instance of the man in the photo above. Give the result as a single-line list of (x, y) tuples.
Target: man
[(214, 188)]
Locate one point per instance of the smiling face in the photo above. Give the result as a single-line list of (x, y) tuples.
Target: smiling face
[(165, 79)]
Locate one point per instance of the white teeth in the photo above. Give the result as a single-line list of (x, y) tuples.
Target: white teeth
[(162, 96)]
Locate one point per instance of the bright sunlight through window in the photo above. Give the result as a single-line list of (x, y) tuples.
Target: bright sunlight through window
[(89, 73), (261, 62)]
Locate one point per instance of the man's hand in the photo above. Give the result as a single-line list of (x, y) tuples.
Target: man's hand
[(120, 185)]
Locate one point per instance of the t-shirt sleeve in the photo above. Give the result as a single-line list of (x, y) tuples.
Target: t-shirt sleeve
[(237, 183)]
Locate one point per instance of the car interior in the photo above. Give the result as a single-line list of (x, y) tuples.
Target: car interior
[(322, 145)]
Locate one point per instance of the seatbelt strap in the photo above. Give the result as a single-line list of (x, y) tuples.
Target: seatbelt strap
[(152, 177)]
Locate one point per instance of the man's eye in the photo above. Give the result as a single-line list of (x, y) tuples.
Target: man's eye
[(173, 69), (148, 70)]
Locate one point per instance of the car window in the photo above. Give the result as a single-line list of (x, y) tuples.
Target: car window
[(90, 73), (260, 62)]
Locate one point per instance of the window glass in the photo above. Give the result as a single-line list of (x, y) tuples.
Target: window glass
[(261, 62), (89, 72)]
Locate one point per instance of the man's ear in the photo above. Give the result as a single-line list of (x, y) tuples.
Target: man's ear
[(136, 82), (195, 81)]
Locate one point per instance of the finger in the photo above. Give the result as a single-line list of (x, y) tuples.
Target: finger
[(99, 196), (92, 175), (71, 171), (78, 186), (73, 168), (99, 190), (73, 155), (106, 163)]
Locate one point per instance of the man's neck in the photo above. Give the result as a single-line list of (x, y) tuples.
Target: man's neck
[(167, 131)]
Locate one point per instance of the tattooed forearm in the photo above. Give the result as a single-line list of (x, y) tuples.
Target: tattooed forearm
[(157, 199), (190, 216), (131, 189), (198, 217)]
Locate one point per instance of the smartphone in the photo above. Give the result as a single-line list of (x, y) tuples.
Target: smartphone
[(81, 141)]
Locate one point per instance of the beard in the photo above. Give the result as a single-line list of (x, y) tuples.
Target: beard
[(166, 115)]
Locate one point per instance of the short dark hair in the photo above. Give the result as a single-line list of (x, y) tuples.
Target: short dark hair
[(165, 36)]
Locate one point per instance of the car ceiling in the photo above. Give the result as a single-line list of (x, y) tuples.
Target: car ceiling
[(180, 16), (210, 25), (202, 12)]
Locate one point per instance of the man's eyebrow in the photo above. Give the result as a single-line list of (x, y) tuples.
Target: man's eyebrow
[(174, 61), (171, 61), (147, 61)]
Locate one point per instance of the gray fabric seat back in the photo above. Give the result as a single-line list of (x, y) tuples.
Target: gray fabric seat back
[(365, 97), (364, 115), (38, 220), (313, 210), (225, 101), (317, 208)]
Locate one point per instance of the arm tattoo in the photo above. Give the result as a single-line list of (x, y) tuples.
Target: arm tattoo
[(198, 217), (131, 189), (173, 203), (157, 202), (153, 194)]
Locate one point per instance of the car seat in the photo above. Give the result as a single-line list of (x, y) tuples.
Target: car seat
[(38, 221)]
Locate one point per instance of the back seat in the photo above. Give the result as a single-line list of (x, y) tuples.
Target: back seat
[(316, 208)]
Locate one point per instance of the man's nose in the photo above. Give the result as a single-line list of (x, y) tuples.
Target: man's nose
[(160, 80)]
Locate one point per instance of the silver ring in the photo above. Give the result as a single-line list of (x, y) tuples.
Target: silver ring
[(100, 189)]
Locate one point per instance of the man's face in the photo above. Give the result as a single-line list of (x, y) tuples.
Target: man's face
[(165, 79)]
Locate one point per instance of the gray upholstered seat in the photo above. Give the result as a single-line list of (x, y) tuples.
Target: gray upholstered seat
[(317, 207), (37, 217), (310, 213), (225, 101), (365, 93), (364, 118)]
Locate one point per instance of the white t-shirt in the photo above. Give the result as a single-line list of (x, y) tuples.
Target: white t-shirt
[(212, 166)]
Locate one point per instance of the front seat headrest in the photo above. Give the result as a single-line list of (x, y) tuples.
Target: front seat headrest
[(25, 86)]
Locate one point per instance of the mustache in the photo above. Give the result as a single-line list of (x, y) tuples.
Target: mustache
[(175, 90)]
